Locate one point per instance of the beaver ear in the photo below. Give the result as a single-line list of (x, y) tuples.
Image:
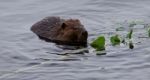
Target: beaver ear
[(63, 26)]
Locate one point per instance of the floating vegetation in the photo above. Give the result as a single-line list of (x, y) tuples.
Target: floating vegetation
[(99, 43), (148, 32), (129, 35), (115, 40)]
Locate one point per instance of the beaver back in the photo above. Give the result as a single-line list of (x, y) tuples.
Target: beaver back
[(47, 27)]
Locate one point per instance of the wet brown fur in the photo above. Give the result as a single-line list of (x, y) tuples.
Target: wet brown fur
[(61, 31)]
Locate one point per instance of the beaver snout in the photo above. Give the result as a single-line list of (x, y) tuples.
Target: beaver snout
[(83, 37), (85, 34)]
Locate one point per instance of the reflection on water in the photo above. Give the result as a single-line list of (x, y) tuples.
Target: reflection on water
[(25, 57)]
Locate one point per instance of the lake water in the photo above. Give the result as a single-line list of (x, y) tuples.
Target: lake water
[(25, 57)]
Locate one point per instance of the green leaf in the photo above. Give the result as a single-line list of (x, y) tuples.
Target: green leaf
[(115, 40), (99, 43), (148, 32), (129, 35)]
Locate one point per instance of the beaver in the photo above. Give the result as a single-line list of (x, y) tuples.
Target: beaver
[(61, 31)]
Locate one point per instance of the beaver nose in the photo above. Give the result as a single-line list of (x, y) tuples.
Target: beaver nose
[(85, 34)]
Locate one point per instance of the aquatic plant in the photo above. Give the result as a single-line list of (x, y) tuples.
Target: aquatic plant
[(129, 35), (148, 32), (99, 43), (115, 40)]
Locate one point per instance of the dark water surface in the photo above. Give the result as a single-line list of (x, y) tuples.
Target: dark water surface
[(25, 57)]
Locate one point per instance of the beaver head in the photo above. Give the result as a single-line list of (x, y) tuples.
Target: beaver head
[(73, 31)]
